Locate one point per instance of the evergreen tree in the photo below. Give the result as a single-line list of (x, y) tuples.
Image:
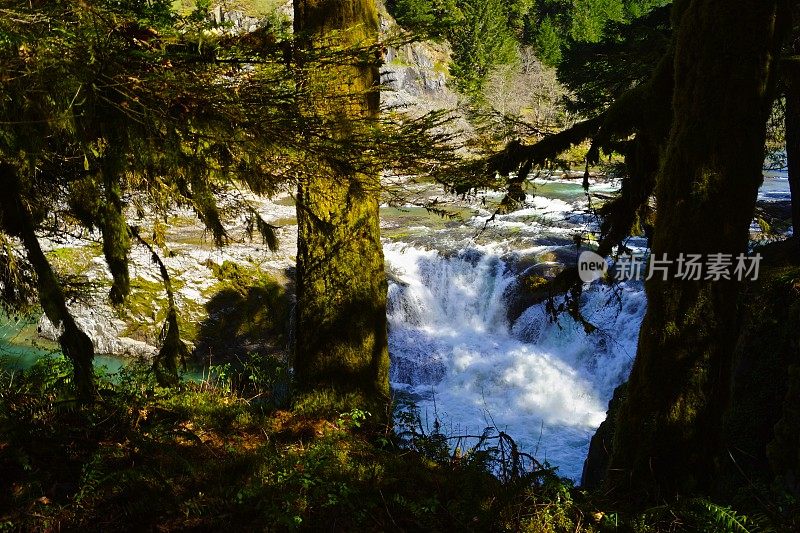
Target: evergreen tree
[(480, 42), (669, 428), (341, 341), (597, 73), (554, 25), (672, 131), (105, 104)]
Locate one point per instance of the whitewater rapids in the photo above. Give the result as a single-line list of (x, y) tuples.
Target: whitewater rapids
[(545, 383)]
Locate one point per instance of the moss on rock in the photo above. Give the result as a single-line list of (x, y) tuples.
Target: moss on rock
[(247, 311)]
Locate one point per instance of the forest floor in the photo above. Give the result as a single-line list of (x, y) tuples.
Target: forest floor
[(203, 457), (206, 457)]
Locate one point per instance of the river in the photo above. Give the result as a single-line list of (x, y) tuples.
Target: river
[(454, 348), (546, 383)]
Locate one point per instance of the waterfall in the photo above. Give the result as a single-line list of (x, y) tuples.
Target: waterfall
[(545, 383)]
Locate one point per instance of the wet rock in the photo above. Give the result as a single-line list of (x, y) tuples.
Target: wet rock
[(596, 464)]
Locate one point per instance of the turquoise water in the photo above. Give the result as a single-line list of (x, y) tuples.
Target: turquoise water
[(21, 348), (567, 191), (24, 357)]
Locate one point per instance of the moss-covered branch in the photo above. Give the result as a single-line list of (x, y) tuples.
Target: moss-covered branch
[(520, 158), (173, 349), (113, 223), (17, 221)]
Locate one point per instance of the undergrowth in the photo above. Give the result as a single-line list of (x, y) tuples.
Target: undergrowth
[(220, 455)]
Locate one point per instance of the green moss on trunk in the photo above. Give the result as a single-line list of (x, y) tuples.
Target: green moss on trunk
[(341, 339), (669, 429), (116, 239)]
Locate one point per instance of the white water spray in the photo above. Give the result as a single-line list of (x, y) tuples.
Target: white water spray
[(546, 384)]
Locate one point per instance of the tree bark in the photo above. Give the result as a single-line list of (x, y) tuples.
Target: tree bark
[(113, 224), (791, 78), (669, 429), (341, 337)]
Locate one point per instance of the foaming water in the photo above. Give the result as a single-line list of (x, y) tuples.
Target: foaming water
[(546, 384)]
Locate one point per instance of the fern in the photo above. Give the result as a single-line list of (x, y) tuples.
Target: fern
[(724, 518)]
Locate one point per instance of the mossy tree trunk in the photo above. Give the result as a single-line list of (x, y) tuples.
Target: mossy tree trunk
[(669, 429), (341, 337), (16, 219), (173, 350), (791, 79), (113, 224)]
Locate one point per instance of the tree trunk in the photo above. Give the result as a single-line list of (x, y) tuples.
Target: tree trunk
[(791, 78), (669, 429), (76, 345), (173, 349), (341, 338), (113, 224)]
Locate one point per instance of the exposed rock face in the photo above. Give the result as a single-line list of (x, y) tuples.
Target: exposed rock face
[(100, 324), (234, 21), (193, 263), (544, 278), (229, 18), (416, 75)]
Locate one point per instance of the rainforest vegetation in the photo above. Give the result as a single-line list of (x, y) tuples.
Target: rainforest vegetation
[(157, 157)]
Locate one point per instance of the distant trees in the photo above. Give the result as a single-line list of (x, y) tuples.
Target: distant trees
[(525, 98), (479, 32), (554, 25), (601, 49), (481, 40), (435, 17), (550, 26), (597, 73)]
